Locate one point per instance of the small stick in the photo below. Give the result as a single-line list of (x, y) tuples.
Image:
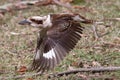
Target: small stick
[(111, 45), (94, 27), (68, 6), (96, 69)]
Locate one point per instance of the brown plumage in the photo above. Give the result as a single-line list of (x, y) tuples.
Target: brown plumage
[(56, 39)]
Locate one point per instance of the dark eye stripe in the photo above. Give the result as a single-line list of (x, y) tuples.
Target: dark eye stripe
[(37, 21)]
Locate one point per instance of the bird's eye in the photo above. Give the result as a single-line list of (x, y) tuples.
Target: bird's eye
[(37, 21), (40, 22)]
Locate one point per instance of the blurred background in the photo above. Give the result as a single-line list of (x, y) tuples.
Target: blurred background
[(17, 43)]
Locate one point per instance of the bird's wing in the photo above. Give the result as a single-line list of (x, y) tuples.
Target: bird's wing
[(59, 40)]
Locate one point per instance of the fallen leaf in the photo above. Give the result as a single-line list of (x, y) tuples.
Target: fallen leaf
[(29, 79), (22, 69), (75, 64)]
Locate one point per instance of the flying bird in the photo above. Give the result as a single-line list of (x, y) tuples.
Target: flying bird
[(58, 35)]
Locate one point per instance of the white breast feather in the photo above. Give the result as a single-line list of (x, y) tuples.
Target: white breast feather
[(39, 18), (49, 54), (47, 22)]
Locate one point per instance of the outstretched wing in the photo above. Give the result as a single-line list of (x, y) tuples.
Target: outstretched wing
[(56, 43)]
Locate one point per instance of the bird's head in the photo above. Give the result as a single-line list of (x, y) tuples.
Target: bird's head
[(37, 21)]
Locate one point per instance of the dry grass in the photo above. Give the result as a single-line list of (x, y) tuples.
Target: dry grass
[(18, 49)]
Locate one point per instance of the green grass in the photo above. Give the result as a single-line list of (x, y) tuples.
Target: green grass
[(18, 50)]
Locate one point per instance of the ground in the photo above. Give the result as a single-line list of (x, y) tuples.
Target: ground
[(17, 43)]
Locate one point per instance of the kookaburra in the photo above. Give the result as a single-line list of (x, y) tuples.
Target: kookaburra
[(58, 35)]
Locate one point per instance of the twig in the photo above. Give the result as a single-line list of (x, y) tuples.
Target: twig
[(111, 45), (97, 69), (68, 6), (16, 6), (44, 2), (56, 2), (11, 53), (19, 6), (25, 5), (111, 19), (94, 27), (95, 30)]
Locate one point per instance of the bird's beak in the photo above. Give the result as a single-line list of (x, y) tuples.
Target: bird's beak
[(24, 22)]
